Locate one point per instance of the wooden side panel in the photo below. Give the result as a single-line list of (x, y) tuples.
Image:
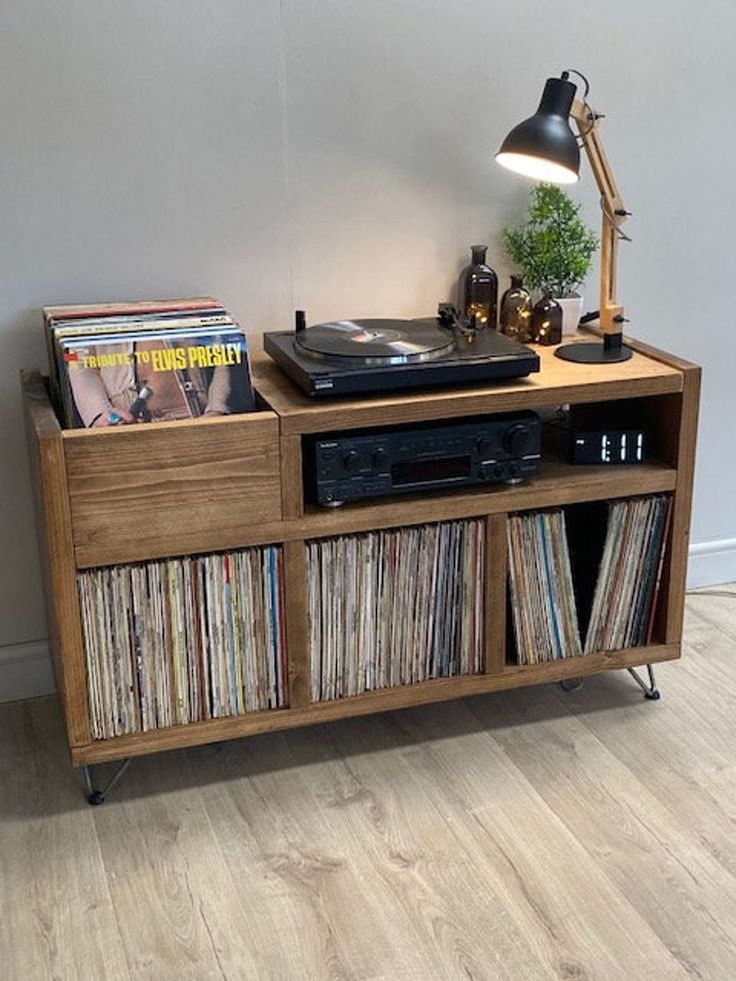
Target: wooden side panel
[(291, 477), (164, 489), (676, 569), (297, 623), (53, 521), (496, 569)]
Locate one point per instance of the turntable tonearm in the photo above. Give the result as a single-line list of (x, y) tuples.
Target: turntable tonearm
[(349, 357)]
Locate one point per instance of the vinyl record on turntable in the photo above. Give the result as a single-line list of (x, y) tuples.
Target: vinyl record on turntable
[(375, 342), (352, 357)]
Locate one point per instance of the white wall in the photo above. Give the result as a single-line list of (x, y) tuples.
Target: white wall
[(336, 155)]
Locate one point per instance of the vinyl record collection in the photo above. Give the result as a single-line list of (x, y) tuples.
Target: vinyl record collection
[(395, 607), (128, 363), (555, 599), (542, 598), (183, 640), (630, 574)]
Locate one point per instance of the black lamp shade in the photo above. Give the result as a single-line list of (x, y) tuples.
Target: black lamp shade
[(544, 146)]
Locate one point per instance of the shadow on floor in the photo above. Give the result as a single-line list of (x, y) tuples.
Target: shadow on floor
[(38, 779)]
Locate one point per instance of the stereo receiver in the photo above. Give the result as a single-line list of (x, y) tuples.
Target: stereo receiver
[(360, 464)]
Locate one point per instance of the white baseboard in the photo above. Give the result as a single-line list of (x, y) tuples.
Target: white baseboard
[(712, 563), (25, 671)]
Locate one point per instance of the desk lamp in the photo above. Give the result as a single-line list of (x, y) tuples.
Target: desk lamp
[(545, 148)]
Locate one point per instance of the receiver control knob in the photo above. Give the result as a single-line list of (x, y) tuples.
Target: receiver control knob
[(482, 444), (380, 459), (516, 439), (350, 460)]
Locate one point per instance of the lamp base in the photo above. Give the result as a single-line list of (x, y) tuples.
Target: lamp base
[(587, 352)]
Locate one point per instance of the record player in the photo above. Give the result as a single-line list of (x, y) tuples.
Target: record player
[(350, 357)]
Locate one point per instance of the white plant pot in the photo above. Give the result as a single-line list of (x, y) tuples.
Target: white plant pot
[(572, 311)]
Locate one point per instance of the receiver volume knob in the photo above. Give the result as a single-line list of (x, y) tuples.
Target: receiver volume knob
[(350, 460), (516, 439)]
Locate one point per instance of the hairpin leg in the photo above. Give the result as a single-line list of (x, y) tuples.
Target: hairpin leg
[(650, 690), (98, 796)]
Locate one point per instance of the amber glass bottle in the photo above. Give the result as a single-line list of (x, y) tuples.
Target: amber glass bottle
[(479, 289), (515, 312), (546, 321)]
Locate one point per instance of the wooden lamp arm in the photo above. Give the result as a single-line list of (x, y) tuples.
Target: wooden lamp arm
[(614, 215)]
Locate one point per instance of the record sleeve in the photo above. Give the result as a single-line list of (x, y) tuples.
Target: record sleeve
[(156, 376)]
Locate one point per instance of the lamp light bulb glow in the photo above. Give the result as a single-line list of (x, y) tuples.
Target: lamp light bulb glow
[(537, 168)]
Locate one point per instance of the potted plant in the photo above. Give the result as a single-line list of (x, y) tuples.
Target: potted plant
[(553, 250)]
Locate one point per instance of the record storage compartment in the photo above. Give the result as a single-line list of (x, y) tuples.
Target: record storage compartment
[(395, 607), (194, 638), (209, 486), (585, 533)]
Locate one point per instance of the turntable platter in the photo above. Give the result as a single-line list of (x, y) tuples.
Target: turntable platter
[(375, 342)]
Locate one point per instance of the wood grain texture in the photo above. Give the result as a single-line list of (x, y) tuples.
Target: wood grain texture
[(146, 492), (56, 916), (684, 752), (676, 570), (556, 382), (522, 835), (537, 862), (442, 884), (53, 523), (177, 908), (614, 214), (557, 484), (629, 833), (296, 854), (292, 480), (297, 623), (440, 690), (214, 538)]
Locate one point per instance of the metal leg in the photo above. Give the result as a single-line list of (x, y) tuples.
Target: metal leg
[(572, 684), (650, 690), (98, 796)]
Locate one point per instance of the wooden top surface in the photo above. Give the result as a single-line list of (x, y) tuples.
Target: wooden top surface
[(557, 382)]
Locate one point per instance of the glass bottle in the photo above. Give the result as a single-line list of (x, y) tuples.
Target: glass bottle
[(479, 289), (515, 313), (547, 321)]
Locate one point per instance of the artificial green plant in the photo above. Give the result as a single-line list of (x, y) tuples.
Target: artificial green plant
[(553, 247)]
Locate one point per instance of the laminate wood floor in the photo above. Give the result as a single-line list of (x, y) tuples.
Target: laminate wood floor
[(525, 835)]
